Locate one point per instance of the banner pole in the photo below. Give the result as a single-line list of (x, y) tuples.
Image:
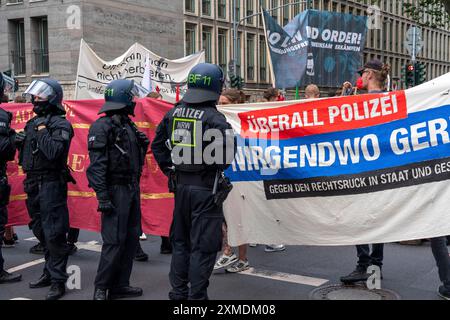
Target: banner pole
[(272, 74), (78, 69)]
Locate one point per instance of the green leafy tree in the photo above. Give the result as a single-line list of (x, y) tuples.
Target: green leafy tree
[(430, 13)]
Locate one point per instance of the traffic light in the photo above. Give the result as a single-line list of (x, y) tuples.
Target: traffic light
[(421, 72), (410, 75)]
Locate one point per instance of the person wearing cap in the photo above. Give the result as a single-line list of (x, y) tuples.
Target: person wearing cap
[(43, 151), (117, 152), (7, 152), (192, 165), (373, 76)]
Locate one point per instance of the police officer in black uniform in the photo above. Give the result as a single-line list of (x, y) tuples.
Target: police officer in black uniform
[(178, 147), (117, 153), (7, 152), (44, 148)]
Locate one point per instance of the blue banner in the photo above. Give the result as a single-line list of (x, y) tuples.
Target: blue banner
[(423, 136), (320, 47)]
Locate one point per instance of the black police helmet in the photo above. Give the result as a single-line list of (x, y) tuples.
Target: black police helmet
[(205, 83), (119, 94), (48, 89)]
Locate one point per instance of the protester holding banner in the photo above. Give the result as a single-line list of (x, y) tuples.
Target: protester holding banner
[(117, 152), (271, 94), (312, 92), (228, 258), (7, 152), (374, 75), (200, 187), (44, 148)]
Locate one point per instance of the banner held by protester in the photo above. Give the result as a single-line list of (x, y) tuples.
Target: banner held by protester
[(95, 73), (342, 171), (320, 47)]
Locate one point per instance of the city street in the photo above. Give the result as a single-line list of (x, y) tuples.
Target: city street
[(409, 271)]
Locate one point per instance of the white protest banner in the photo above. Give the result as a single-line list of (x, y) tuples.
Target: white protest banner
[(95, 73), (347, 170)]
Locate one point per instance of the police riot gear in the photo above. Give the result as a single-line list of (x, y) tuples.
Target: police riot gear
[(119, 95), (46, 95), (6, 84), (205, 83), (117, 152), (181, 153), (43, 156), (7, 152)]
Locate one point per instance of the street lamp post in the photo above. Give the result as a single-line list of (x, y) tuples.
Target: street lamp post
[(236, 24)]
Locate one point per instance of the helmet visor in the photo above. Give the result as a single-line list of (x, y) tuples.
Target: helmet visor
[(8, 83), (39, 89)]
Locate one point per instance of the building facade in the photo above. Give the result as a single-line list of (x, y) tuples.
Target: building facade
[(208, 26), (41, 38)]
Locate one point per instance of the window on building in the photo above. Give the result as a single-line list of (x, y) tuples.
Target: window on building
[(206, 7), (17, 39), (274, 13), (239, 53), (39, 28), (222, 48), (222, 9), (237, 8), (262, 59), (250, 56), (285, 12), (190, 38), (207, 43), (189, 6), (295, 9), (250, 11), (262, 4)]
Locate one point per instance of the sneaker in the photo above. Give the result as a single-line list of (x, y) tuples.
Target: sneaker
[(38, 249), (9, 243), (275, 248), (444, 293), (143, 237), (225, 261), (15, 238), (252, 245), (238, 267), (359, 274)]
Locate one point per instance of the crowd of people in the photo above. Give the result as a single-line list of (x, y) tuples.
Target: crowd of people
[(117, 153)]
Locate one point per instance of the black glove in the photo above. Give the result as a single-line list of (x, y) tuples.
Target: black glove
[(20, 138), (143, 139), (40, 121), (105, 206), (172, 179)]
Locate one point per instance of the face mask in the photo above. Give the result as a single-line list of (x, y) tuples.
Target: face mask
[(40, 107), (359, 83), (10, 116), (130, 108)]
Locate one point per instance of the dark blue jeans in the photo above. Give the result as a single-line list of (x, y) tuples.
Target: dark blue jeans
[(365, 258), (440, 253)]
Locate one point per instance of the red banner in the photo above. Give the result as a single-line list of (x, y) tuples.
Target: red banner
[(156, 202), (324, 116)]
